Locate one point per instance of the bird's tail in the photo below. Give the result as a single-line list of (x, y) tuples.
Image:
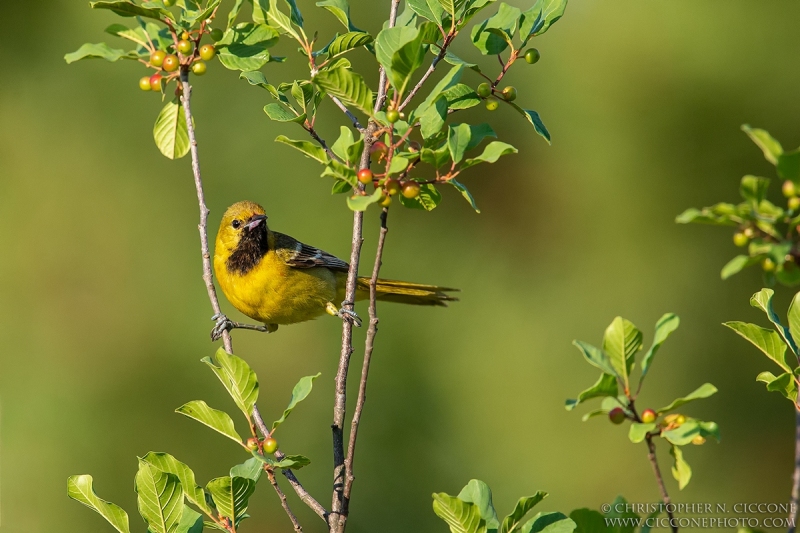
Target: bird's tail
[(407, 293)]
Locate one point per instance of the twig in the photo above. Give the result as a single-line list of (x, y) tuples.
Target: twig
[(369, 346), (354, 119), (282, 496), (186, 99), (796, 477), (338, 521), (442, 52), (651, 454)]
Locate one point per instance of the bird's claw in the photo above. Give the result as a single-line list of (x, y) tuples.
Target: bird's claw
[(223, 324), (350, 316)]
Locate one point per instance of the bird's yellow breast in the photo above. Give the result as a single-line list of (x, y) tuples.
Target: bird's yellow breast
[(274, 293)]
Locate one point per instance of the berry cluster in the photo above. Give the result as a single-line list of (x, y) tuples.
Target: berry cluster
[(508, 94), (185, 53)]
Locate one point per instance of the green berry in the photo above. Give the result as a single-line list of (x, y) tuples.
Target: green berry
[(532, 56), (207, 52), (392, 186), (144, 83), (509, 94), (617, 415), (270, 445), (157, 58), (169, 3), (768, 265), (185, 47), (411, 189), (216, 34), (171, 63), (252, 444), (648, 416), (198, 68), (386, 201), (793, 203), (740, 239), (484, 90), (185, 36), (492, 105), (392, 115), (789, 189)]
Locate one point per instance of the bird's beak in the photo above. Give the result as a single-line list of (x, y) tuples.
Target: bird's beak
[(254, 221)]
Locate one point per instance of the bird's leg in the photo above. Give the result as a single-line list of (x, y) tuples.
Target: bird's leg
[(344, 314), (226, 324)]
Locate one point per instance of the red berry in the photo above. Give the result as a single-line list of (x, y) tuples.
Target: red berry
[(171, 63), (392, 187), (617, 415), (155, 82), (252, 444), (648, 416), (365, 176)]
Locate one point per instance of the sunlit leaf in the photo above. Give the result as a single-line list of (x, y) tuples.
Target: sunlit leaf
[(80, 489)]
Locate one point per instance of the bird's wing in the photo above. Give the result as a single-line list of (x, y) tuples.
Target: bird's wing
[(299, 255)]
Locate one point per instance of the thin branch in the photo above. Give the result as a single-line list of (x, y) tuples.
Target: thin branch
[(338, 521), (651, 454), (282, 496), (314, 135), (354, 119), (301, 492), (442, 52), (186, 99), (369, 346)]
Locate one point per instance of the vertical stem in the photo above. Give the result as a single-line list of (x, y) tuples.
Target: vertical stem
[(796, 477), (338, 519), (282, 496), (651, 454), (369, 346)]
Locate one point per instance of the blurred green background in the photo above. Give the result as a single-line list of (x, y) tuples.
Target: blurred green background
[(104, 317)]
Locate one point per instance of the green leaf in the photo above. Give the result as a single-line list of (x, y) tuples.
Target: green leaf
[(191, 17), (452, 6), (288, 462), (789, 165), (471, 8), (479, 493), (231, 495), (606, 386), (794, 324), (513, 521), (462, 517), (766, 340), (429, 197), (772, 149), (348, 41), (754, 189), (736, 265), (191, 521), (763, 300), (258, 79), (784, 383), (80, 489), (589, 521), (390, 40), (341, 10), (621, 341), (505, 20), (596, 357), (234, 12), (129, 9), (217, 420), (280, 113), (664, 327), (638, 431), (429, 9), (548, 523), (252, 469), (465, 193), (160, 498), (358, 202), (299, 393), (703, 391), (167, 463), (535, 120), (409, 57), (449, 80), (99, 50), (348, 86), (493, 151), (680, 470), (170, 132), (267, 11), (540, 17), (238, 379), (244, 47), (432, 120), (458, 138), (339, 171), (461, 96), (309, 149), (712, 215)]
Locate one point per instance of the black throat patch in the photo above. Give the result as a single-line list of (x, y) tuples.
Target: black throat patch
[(252, 247)]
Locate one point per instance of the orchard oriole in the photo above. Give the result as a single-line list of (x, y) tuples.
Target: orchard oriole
[(278, 280)]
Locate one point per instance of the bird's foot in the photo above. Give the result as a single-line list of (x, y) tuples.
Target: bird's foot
[(222, 325), (345, 314)]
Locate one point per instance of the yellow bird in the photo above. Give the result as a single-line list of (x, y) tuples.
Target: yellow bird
[(277, 280)]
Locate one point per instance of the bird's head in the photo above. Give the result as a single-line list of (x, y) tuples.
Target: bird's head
[(244, 225)]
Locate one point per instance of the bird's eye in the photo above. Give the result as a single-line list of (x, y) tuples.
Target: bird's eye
[(236, 224)]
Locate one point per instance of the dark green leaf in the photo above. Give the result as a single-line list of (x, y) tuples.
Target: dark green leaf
[(199, 15), (794, 324), (548, 523), (428, 198), (465, 193), (80, 489), (347, 86), (589, 521), (491, 43), (540, 17), (763, 300), (606, 386), (461, 96), (535, 120), (513, 521)]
